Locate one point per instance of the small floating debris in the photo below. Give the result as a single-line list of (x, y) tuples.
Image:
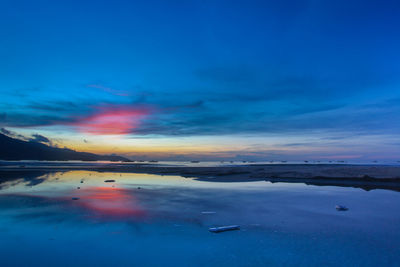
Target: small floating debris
[(109, 181), (208, 212), (195, 161), (224, 228), (78, 187), (75, 198), (139, 187), (81, 181), (341, 208)]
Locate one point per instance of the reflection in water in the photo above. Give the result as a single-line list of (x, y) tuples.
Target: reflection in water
[(166, 222), (109, 201)]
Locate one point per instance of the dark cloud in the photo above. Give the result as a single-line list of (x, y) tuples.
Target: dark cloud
[(62, 106), (5, 131), (40, 139), (12, 134)]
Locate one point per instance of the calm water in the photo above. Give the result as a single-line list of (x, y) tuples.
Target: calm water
[(152, 220)]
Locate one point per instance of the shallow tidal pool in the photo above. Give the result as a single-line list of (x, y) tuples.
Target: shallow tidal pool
[(87, 218)]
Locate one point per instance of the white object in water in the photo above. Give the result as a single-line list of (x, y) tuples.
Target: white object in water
[(224, 228), (208, 212)]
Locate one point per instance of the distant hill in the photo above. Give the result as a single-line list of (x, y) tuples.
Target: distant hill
[(15, 149)]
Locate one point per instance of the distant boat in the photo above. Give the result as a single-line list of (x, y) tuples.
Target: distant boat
[(195, 161), (153, 160)]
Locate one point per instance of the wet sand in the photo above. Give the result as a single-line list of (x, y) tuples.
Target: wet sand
[(367, 177)]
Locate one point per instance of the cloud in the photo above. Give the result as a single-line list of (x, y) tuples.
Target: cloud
[(12, 134), (111, 120), (5, 131), (40, 139), (60, 106), (291, 105)]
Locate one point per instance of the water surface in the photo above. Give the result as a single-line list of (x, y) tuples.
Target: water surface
[(75, 218)]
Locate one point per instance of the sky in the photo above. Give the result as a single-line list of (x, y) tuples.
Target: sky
[(210, 80)]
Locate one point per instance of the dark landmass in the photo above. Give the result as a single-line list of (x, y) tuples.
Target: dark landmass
[(15, 149), (367, 177)]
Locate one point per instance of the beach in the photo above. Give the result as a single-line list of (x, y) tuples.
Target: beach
[(69, 215), (367, 177)]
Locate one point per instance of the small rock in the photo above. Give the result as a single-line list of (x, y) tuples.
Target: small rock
[(341, 208)]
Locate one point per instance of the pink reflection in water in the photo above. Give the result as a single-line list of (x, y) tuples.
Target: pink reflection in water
[(110, 202)]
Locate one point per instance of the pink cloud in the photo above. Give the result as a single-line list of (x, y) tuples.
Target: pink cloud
[(112, 120)]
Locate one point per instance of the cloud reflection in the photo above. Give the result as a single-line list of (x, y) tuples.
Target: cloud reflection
[(109, 202)]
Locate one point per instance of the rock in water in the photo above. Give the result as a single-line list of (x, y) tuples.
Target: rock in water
[(224, 228), (341, 208)]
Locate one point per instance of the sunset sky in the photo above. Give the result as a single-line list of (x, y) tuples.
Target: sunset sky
[(212, 80)]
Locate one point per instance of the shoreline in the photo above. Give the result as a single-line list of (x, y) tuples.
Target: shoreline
[(366, 177)]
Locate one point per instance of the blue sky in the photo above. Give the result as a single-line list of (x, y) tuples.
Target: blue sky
[(207, 79)]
